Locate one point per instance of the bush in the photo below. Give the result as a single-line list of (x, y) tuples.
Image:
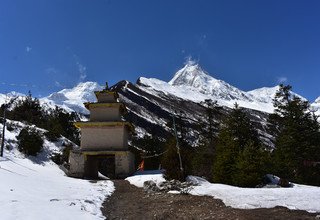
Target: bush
[(30, 141), (52, 136), (170, 161), (10, 127), (61, 158)]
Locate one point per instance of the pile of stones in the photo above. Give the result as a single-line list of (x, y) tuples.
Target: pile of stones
[(171, 185)]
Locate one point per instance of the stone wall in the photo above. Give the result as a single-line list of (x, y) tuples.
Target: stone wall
[(104, 138), (124, 164), (77, 164), (105, 114)]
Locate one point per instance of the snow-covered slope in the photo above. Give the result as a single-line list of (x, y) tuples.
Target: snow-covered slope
[(193, 83), (73, 99), (5, 98), (193, 77), (316, 106), (264, 94), (35, 187)]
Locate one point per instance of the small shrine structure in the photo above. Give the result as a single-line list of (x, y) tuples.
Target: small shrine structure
[(104, 140)]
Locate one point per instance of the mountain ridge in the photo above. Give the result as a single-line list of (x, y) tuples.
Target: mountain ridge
[(190, 82)]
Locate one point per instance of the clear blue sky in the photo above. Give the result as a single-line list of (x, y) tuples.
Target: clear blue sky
[(46, 45)]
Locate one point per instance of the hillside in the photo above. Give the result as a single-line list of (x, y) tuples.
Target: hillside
[(36, 188)]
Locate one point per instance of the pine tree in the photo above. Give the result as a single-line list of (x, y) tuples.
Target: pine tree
[(239, 156), (28, 110), (297, 136), (202, 161), (170, 161), (251, 165), (225, 159)]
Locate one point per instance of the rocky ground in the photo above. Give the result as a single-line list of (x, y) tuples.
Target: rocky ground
[(130, 202)]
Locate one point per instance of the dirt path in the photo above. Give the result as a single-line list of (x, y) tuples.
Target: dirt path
[(130, 202)]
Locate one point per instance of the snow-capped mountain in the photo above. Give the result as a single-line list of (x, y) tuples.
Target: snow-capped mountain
[(194, 84), (151, 102), (193, 77), (316, 106), (189, 83), (73, 99)]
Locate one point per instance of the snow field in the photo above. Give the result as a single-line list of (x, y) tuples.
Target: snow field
[(33, 191), (35, 188)]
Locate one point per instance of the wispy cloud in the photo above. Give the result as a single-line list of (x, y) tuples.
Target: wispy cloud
[(51, 71), (58, 84), (190, 60), (82, 70), (282, 79), (28, 49)]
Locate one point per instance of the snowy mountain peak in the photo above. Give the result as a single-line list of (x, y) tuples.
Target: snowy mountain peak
[(83, 91), (264, 94), (73, 99), (191, 74)]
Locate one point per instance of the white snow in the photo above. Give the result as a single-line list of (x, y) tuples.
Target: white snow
[(35, 188), (138, 180), (73, 99), (194, 84), (300, 197), (158, 87), (34, 191)]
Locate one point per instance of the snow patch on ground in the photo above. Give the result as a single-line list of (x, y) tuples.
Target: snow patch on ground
[(300, 197), (138, 180), (35, 188)]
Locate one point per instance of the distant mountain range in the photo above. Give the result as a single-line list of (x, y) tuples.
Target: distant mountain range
[(151, 102)]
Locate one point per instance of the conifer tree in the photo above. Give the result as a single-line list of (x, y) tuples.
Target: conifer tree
[(239, 152), (251, 165), (202, 161), (170, 161), (296, 134), (28, 110)]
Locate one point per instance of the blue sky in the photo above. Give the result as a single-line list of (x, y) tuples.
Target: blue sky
[(47, 45)]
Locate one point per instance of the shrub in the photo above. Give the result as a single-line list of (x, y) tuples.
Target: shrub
[(30, 141)]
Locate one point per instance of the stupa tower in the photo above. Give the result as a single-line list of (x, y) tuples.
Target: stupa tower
[(104, 140)]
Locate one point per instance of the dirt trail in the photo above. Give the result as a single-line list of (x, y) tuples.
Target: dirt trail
[(130, 202)]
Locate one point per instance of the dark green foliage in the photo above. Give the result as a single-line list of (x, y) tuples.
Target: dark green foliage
[(30, 141), (60, 123), (57, 121), (225, 160), (28, 110), (297, 138), (240, 159), (210, 127), (170, 161), (202, 161), (251, 165)]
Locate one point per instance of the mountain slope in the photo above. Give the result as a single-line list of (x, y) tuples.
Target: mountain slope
[(73, 99), (35, 187)]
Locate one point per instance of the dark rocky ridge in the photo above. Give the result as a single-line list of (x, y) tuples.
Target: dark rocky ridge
[(153, 112)]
